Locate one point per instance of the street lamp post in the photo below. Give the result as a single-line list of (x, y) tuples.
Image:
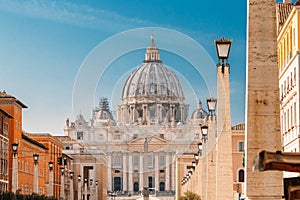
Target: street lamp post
[(50, 189), (35, 173), (224, 140), (96, 183), (15, 167), (79, 187), (71, 186), (62, 192), (85, 188)]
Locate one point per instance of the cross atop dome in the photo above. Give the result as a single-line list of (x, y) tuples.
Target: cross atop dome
[(152, 54)]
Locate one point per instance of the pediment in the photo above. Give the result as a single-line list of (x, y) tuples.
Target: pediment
[(150, 139)]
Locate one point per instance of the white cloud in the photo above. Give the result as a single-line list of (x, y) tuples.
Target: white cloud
[(70, 13)]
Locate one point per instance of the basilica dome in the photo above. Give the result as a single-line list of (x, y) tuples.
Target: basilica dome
[(152, 80), (152, 94)]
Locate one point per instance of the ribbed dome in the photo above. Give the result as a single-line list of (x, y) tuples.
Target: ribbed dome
[(153, 79)]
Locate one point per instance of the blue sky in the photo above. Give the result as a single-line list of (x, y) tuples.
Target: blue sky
[(44, 44)]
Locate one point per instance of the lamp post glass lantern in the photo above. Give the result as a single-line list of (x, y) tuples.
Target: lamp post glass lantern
[(200, 147), (35, 157), (71, 175), (196, 157), (223, 48), (62, 171), (211, 105), (15, 147), (204, 130), (79, 178), (50, 165)]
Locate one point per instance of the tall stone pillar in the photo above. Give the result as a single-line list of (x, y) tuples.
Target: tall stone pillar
[(224, 178), (15, 173), (125, 182), (167, 172), (173, 173), (141, 170), (50, 189), (109, 178), (36, 178), (211, 159), (62, 188), (130, 170), (156, 168), (262, 99)]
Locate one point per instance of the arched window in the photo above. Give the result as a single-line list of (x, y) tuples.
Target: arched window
[(241, 175), (135, 186), (161, 186)]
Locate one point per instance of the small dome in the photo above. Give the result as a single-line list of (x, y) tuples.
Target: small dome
[(199, 113), (104, 113)]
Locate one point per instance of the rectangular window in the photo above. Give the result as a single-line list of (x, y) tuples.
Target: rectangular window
[(241, 146), (135, 161), (161, 161), (288, 119), (150, 161), (293, 37), (295, 115), (117, 136), (79, 135), (292, 123)]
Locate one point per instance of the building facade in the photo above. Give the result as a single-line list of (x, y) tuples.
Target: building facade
[(4, 150), (89, 169), (152, 127), (27, 167), (52, 154), (288, 46), (13, 107)]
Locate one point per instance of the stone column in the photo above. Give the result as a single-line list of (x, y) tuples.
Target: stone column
[(130, 170), (50, 189), (85, 193), (133, 113), (262, 99), (141, 170), (79, 190), (109, 178), (15, 173), (211, 159), (224, 178), (167, 173), (36, 178), (125, 182), (71, 188), (173, 175), (156, 168), (62, 188)]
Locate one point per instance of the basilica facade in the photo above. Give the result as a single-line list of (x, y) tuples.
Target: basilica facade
[(151, 129)]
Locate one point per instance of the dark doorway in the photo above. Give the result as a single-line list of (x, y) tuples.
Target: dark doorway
[(117, 184), (135, 186), (150, 182), (241, 175), (161, 186)]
